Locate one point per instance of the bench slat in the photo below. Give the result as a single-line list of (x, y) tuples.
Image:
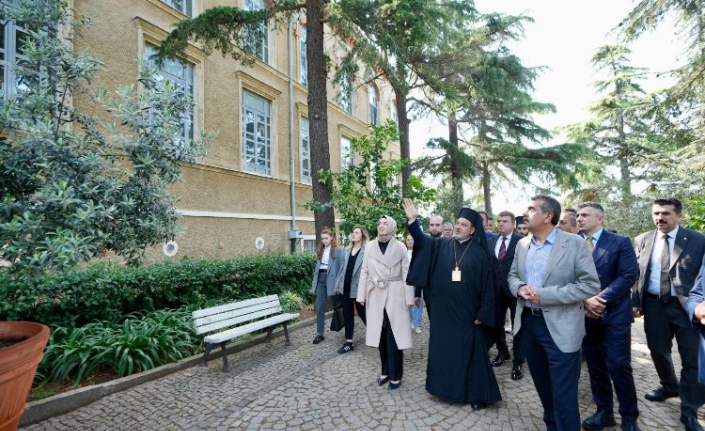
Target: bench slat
[(224, 320), (212, 318), (233, 306), (251, 327)]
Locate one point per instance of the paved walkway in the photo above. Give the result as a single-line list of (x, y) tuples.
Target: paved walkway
[(311, 387)]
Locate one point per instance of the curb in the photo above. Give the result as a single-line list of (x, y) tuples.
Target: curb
[(37, 411)]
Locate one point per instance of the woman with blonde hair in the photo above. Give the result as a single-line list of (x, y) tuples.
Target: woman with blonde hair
[(387, 299), (348, 279), (329, 262)]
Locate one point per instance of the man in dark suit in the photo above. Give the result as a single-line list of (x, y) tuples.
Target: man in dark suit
[(696, 310), (552, 273), (608, 324), (503, 247), (486, 225), (670, 259), (435, 229)]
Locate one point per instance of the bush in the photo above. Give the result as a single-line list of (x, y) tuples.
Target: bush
[(140, 343), (106, 292)]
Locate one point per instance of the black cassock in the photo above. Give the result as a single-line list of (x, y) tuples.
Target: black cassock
[(459, 367)]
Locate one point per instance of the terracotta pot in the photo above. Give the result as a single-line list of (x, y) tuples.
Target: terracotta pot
[(18, 363)]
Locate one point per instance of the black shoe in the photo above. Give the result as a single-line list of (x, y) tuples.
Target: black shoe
[(499, 360), (346, 348), (382, 380), (691, 422), (600, 420), (660, 394), (517, 374), (318, 339), (477, 405), (629, 426), (393, 386)]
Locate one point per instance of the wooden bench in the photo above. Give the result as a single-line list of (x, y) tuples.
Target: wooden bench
[(239, 318)]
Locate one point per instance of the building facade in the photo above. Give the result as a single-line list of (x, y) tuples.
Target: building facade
[(244, 197)]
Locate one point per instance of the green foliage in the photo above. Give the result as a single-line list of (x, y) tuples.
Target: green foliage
[(75, 186), (369, 189), (695, 218), (106, 292), (140, 343), (291, 301)]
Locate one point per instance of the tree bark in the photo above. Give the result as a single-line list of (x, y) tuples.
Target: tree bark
[(318, 112), (456, 176), (486, 190), (404, 142)]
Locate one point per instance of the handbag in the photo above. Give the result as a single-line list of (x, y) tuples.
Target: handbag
[(338, 321)]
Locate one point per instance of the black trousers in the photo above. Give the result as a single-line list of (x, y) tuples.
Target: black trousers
[(349, 313), (389, 354), (500, 337), (662, 322)]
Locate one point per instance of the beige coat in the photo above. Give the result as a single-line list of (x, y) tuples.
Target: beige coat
[(382, 287)]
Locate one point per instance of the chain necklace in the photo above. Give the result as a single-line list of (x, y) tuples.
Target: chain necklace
[(455, 276)]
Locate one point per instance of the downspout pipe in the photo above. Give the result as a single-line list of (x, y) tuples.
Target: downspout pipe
[(292, 158)]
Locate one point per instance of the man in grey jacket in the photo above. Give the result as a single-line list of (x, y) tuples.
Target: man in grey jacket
[(552, 274)]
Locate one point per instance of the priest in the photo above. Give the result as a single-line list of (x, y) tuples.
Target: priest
[(461, 277)]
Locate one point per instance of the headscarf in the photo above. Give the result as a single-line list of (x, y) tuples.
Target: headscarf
[(392, 229)]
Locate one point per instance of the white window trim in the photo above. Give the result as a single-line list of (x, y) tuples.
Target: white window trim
[(303, 55), (349, 158), (261, 56), (254, 169), (305, 179), (147, 33)]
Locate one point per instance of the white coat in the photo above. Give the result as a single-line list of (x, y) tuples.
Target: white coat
[(383, 287)]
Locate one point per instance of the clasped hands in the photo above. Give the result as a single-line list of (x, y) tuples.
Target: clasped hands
[(594, 307), (530, 294)]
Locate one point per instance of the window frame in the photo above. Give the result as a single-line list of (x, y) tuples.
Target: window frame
[(188, 123), (10, 57), (346, 158), (186, 9), (346, 93), (303, 56), (305, 150), (373, 101), (250, 44), (255, 167)]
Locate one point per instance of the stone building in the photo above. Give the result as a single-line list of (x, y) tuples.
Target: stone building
[(244, 197)]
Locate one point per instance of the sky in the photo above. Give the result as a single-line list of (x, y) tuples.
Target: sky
[(563, 38)]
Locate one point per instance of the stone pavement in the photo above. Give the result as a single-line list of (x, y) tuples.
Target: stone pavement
[(311, 387)]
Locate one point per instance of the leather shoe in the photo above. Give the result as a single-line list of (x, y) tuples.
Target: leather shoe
[(318, 339), (477, 405), (600, 420), (499, 360), (517, 374), (393, 386), (690, 422), (660, 394), (629, 426), (382, 380)]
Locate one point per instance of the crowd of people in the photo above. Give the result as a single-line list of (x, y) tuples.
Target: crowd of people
[(572, 289)]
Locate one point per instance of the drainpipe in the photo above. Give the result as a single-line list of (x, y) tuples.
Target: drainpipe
[(292, 157)]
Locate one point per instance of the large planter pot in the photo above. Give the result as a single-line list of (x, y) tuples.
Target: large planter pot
[(18, 363)]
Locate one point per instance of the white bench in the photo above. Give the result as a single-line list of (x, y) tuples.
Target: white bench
[(239, 318)]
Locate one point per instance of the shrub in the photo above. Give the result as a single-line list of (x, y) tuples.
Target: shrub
[(108, 292)]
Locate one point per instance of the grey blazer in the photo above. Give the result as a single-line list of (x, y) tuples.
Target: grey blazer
[(335, 266), (570, 279), (356, 272)]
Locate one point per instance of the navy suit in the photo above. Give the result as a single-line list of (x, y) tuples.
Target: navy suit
[(607, 343), (505, 299), (697, 296)]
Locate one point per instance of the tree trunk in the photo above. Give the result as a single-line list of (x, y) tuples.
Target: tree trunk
[(318, 111), (625, 182), (404, 143), (455, 174), (486, 190)]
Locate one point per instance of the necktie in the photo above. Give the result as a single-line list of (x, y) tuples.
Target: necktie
[(502, 249), (591, 244), (665, 269)]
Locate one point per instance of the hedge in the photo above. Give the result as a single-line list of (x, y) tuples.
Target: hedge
[(109, 291)]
